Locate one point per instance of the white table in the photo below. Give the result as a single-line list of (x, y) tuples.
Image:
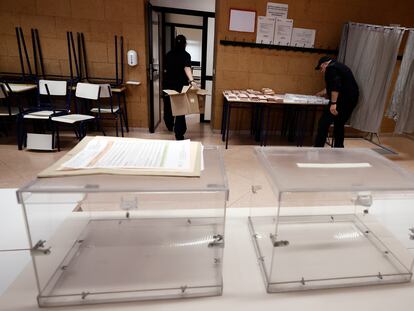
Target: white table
[(260, 106), (243, 285)]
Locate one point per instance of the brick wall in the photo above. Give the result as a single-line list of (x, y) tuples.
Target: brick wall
[(99, 20), (236, 67), (285, 71)]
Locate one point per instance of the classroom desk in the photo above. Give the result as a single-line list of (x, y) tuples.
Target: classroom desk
[(262, 111)]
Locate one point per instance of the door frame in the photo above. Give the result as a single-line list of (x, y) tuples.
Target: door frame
[(149, 8), (149, 52)]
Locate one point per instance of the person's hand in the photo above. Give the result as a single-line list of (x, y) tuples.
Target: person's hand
[(333, 110), (193, 84)]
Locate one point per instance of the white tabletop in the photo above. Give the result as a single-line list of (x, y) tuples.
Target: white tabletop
[(282, 101), (243, 286)]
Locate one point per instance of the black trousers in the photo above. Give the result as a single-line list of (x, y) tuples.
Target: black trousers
[(180, 127), (339, 121), (168, 117), (177, 123)]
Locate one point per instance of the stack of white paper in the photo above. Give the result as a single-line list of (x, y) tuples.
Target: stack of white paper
[(129, 156)]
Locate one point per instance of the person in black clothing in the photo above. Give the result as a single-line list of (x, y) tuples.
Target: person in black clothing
[(342, 92), (177, 74)]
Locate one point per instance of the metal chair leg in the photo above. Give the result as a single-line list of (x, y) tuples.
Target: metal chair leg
[(125, 112), (116, 125), (121, 122), (57, 136)]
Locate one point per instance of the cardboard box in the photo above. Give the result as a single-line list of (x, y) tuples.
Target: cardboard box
[(201, 96), (188, 101)]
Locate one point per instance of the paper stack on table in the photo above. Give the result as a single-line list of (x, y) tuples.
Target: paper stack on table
[(130, 156), (275, 98), (304, 99), (254, 92), (268, 91)]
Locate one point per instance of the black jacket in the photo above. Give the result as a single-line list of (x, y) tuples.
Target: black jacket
[(175, 77), (339, 78)]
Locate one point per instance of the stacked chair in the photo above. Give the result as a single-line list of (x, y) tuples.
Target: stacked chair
[(53, 99), (7, 110)]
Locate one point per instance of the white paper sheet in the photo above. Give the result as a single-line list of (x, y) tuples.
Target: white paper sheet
[(305, 99), (283, 31), (140, 153), (333, 165), (177, 155), (277, 9), (265, 29), (127, 154), (302, 37), (241, 20), (84, 158)]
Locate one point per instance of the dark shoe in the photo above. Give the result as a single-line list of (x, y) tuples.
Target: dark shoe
[(179, 137)]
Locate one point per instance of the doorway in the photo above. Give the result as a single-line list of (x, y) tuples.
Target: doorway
[(198, 28)]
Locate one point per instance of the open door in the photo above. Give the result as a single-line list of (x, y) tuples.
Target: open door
[(153, 74)]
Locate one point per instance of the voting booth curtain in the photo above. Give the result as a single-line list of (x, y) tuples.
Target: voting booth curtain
[(402, 108), (371, 52)]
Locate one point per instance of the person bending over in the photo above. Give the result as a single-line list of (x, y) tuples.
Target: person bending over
[(342, 92)]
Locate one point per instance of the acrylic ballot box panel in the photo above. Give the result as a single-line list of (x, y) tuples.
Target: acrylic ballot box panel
[(342, 217), (108, 238)]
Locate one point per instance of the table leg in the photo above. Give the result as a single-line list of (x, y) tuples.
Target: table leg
[(224, 119), (266, 130), (227, 123), (259, 134), (19, 127), (57, 136), (125, 112), (259, 121), (313, 120), (302, 117)]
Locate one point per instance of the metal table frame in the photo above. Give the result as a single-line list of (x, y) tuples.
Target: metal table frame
[(261, 118)]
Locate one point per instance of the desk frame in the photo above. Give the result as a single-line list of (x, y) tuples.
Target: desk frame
[(262, 110)]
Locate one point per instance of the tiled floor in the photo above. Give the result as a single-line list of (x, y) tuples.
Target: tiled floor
[(242, 168)]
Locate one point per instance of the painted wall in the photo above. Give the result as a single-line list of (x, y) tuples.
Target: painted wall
[(292, 72), (99, 20), (236, 67)]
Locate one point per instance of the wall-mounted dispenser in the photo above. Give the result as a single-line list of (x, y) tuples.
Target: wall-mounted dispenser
[(132, 58)]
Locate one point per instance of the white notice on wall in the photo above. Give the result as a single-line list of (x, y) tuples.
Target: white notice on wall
[(265, 29), (283, 31), (241, 20), (277, 9), (302, 37)]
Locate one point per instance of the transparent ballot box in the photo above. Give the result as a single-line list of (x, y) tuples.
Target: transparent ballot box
[(109, 238), (341, 218)]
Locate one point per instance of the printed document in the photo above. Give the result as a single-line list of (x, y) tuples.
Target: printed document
[(277, 9), (302, 37), (283, 31), (128, 153), (265, 29)]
